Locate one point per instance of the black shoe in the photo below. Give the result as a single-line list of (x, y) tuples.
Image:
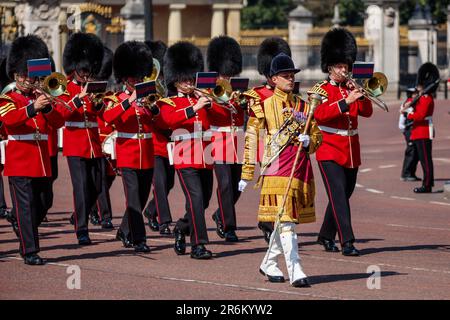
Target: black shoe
[(267, 232), (422, 189), (348, 249), (275, 279), (301, 283), (141, 247), (164, 229), (180, 242), (3, 213), (410, 178), (33, 259), (125, 242), (94, 218), (84, 240), (230, 236), (200, 252), (153, 222), (107, 224), (219, 226), (72, 219), (329, 245)]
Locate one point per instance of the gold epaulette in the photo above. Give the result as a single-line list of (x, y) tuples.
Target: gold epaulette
[(5, 97), (252, 94), (112, 97), (7, 108), (318, 89), (168, 101)]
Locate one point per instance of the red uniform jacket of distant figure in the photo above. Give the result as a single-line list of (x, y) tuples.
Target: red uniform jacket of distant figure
[(344, 150), (26, 158), (422, 127), (104, 129), (131, 153), (80, 142)]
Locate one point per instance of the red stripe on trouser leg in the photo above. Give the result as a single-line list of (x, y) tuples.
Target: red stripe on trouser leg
[(330, 197), (190, 202), (18, 219), (427, 168)]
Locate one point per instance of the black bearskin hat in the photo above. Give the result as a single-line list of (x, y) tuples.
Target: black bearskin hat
[(4, 79), (426, 75), (106, 69), (158, 49), (132, 59), (22, 50), (268, 49), (83, 51), (338, 46), (224, 56), (182, 61)]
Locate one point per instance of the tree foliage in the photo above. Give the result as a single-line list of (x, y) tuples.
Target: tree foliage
[(267, 14)]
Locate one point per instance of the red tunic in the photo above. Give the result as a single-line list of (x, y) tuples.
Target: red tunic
[(135, 150), (104, 129), (334, 114), (79, 141), (26, 157), (191, 134), (228, 135), (422, 126)]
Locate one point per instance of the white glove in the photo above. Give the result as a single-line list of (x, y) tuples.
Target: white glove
[(305, 139), (242, 185)]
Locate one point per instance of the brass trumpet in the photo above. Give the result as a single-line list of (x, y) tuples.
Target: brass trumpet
[(372, 88)]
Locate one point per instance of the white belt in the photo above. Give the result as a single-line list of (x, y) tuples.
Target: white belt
[(81, 124), (27, 137), (193, 135), (430, 127), (345, 133), (128, 135), (227, 129)]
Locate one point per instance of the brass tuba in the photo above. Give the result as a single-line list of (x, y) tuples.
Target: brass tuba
[(154, 76)]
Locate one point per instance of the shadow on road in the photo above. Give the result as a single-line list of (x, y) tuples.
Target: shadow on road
[(348, 277), (405, 248)]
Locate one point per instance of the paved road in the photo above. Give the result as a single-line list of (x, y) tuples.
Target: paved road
[(406, 236)]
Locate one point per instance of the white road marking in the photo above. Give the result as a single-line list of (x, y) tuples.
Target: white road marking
[(403, 198), (382, 264), (359, 185), (387, 166), (417, 227), (218, 284), (365, 170), (440, 203), (446, 160), (374, 191)]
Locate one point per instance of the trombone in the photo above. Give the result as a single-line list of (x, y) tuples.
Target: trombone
[(221, 94), (372, 88), (52, 87)]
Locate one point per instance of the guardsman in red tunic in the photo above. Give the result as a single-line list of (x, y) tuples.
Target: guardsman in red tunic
[(27, 116), (422, 132), (185, 114), (82, 60), (158, 209), (225, 57), (268, 50), (133, 121), (101, 212), (339, 155)]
